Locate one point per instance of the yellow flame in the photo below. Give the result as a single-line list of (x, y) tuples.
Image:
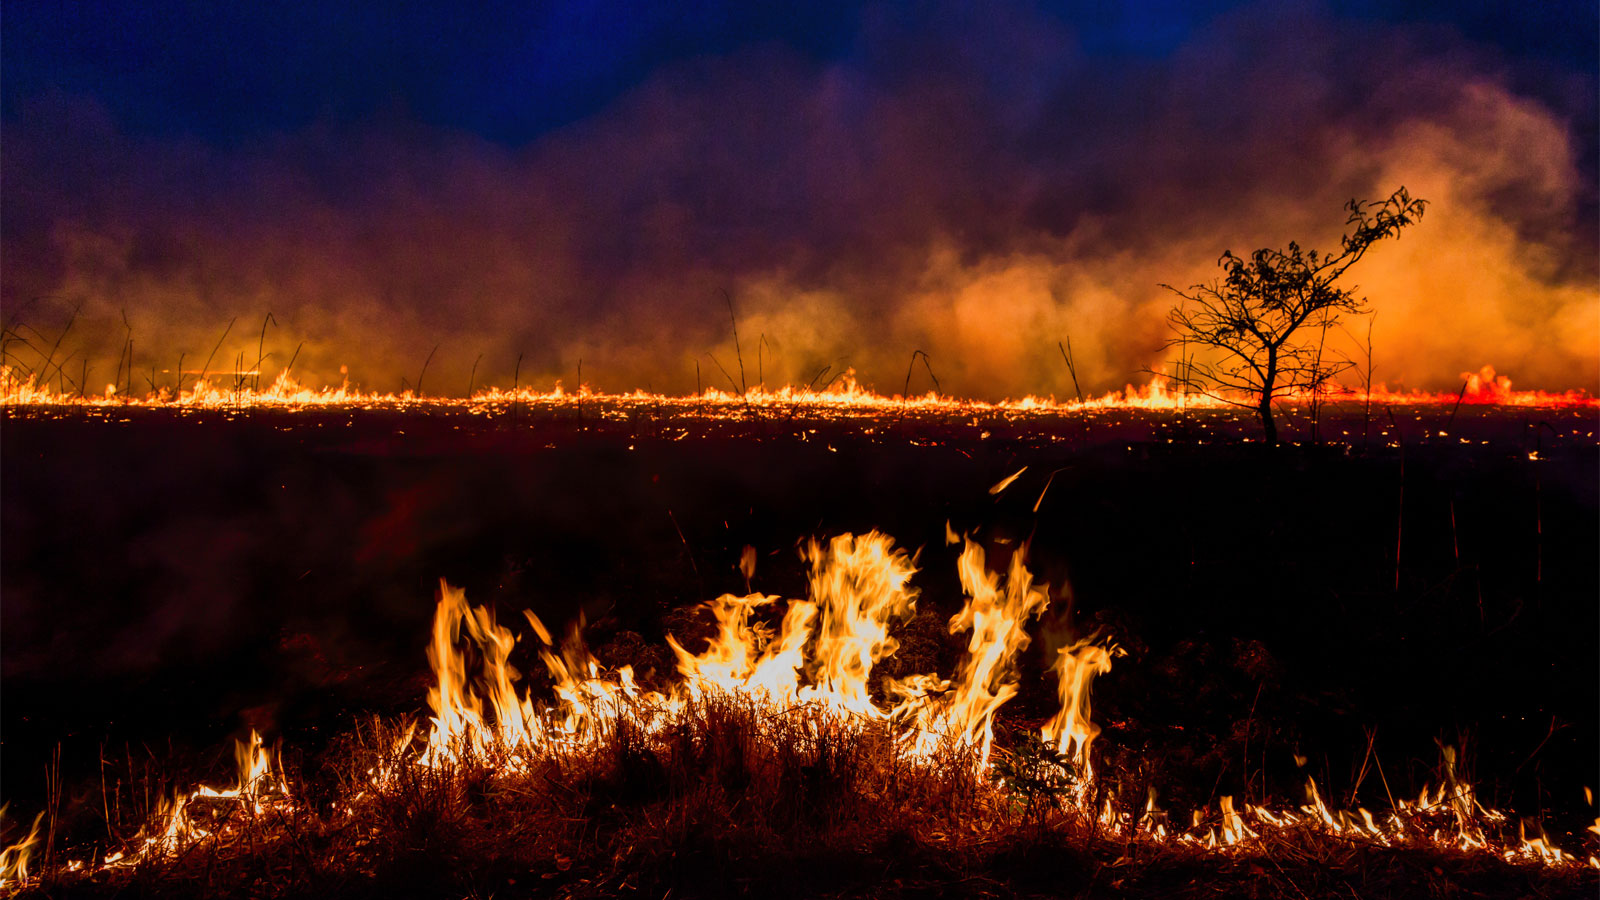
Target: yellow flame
[(1005, 482), (14, 859), (1234, 829), (1071, 730), (963, 709), (20, 388), (821, 655)]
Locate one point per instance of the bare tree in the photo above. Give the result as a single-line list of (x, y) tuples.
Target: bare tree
[(1265, 320)]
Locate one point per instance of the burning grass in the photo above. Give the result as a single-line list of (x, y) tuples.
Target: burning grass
[(734, 799), (780, 760), (841, 395)]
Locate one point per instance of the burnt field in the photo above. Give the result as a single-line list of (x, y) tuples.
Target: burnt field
[(1420, 578)]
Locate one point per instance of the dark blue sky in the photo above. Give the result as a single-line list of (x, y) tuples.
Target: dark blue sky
[(511, 71)]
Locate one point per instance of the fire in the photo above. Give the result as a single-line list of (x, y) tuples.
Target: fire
[(183, 821), (15, 858), (1483, 387), (731, 657), (822, 657), (858, 587), (986, 679), (1234, 829), (845, 396), (819, 660), (1071, 731), (519, 728)]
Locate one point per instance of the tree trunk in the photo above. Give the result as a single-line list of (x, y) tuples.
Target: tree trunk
[(1268, 426)]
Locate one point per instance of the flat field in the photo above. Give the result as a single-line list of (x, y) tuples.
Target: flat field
[(1420, 577)]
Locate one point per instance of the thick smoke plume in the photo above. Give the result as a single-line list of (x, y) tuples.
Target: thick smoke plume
[(975, 186)]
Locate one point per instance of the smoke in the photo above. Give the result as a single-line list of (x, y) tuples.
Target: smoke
[(978, 186)]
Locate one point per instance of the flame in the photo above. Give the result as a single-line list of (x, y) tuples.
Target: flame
[(20, 388), (820, 657), (1153, 821), (261, 785), (734, 660), (457, 712), (14, 859), (1233, 828), (859, 586), (1005, 482), (826, 646), (1071, 731), (964, 709)]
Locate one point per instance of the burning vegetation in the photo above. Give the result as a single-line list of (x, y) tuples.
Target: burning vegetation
[(24, 391), (789, 740), (788, 745), (779, 741), (430, 332)]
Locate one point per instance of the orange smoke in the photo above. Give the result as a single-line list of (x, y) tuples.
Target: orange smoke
[(981, 209)]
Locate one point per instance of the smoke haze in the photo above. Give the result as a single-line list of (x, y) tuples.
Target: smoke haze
[(977, 186)]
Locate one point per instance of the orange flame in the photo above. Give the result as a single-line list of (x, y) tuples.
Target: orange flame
[(822, 657), (15, 858), (1071, 731), (20, 389)]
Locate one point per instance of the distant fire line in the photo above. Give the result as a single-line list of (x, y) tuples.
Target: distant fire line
[(1480, 388)]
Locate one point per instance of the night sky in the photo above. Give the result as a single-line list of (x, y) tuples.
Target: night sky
[(584, 180)]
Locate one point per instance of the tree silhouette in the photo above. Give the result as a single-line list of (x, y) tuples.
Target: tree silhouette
[(1261, 328)]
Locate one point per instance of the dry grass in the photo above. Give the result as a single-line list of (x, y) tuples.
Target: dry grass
[(731, 799)]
